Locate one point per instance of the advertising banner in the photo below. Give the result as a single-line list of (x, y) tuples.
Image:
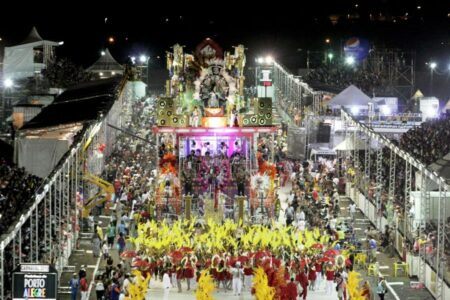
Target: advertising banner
[(35, 281)]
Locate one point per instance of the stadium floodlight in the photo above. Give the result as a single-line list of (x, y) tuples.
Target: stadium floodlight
[(260, 60), (143, 58), (268, 60), (8, 83), (350, 60)]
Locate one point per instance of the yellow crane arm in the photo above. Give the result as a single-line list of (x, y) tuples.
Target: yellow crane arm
[(104, 194)]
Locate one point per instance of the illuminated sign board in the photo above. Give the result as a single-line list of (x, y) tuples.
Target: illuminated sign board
[(35, 281), (265, 77)]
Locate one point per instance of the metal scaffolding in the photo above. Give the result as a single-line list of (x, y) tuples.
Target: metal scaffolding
[(366, 181), (424, 216), (408, 171), (379, 182), (427, 216), (440, 253), (391, 191)]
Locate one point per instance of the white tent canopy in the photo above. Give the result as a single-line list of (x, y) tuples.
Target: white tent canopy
[(351, 96), (348, 144), (106, 63), (20, 61)]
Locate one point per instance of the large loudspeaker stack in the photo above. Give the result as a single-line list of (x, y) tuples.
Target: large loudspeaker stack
[(165, 112), (250, 120), (264, 111), (179, 121), (323, 134), (262, 115)]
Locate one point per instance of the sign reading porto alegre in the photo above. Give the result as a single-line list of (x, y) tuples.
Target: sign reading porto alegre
[(35, 281)]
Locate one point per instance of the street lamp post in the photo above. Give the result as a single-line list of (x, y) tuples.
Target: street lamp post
[(433, 66), (145, 60)]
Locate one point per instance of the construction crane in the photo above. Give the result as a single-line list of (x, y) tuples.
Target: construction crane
[(104, 193)]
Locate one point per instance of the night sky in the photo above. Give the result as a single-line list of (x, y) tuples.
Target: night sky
[(281, 30)]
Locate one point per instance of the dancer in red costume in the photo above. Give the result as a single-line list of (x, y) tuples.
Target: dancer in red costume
[(302, 279), (189, 269), (291, 290)]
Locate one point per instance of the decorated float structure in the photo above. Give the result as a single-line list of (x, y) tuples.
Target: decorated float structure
[(215, 146)]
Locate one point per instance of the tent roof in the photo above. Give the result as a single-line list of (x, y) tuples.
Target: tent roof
[(350, 96), (418, 94), (33, 36), (81, 104), (106, 63), (348, 144)]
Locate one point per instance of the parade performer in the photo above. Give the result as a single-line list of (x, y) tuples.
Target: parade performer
[(221, 274), (248, 275), (302, 280), (189, 263), (179, 275), (312, 276), (237, 274), (291, 290), (329, 274)]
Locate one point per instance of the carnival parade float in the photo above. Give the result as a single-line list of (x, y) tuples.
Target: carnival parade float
[(215, 146)]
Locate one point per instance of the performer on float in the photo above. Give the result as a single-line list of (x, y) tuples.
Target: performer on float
[(195, 117), (223, 150), (234, 117)]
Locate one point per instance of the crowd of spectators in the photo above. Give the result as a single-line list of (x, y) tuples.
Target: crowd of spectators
[(17, 189), (340, 76), (429, 141)]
